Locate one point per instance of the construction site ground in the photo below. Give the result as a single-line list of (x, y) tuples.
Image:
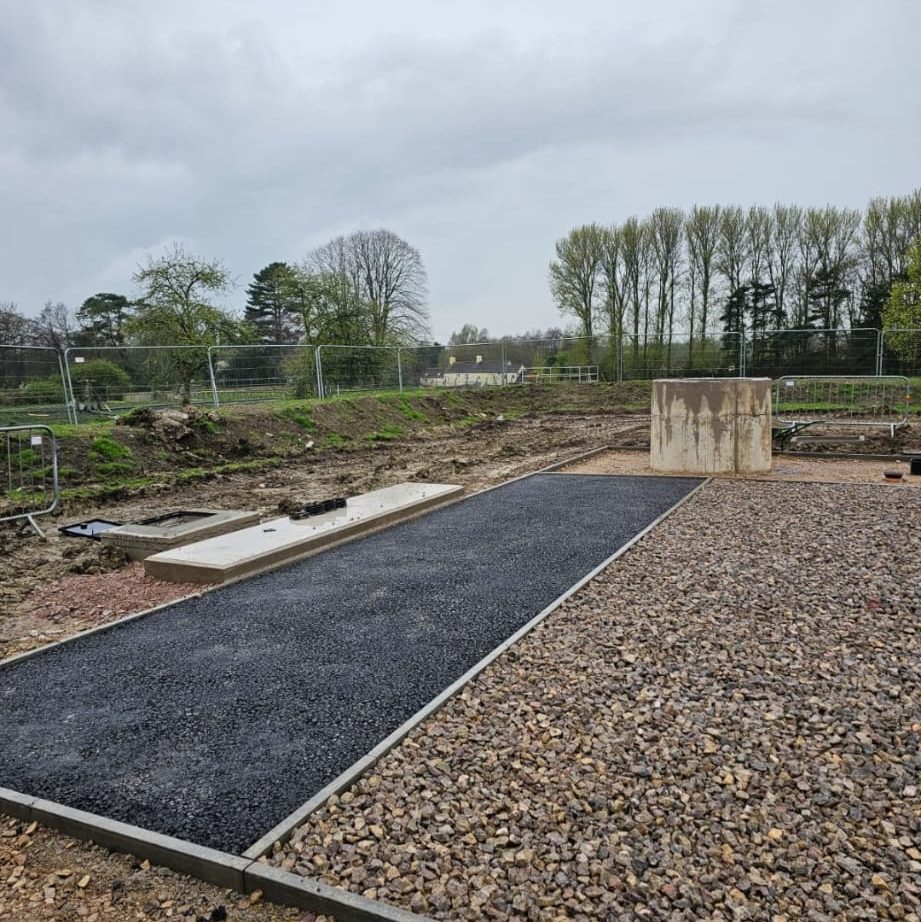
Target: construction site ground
[(270, 459)]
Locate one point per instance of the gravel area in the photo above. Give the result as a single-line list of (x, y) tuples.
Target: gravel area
[(76, 603), (785, 468), (46, 875), (215, 718), (724, 724)]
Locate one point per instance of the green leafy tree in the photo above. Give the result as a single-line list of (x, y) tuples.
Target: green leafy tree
[(903, 312), (575, 274), (176, 308), (273, 307), (469, 333)]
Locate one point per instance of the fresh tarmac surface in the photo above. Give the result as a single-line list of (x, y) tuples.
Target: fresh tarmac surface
[(215, 718)]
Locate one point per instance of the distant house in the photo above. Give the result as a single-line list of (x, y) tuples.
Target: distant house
[(478, 373)]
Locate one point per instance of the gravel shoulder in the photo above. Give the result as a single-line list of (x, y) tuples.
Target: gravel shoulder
[(726, 723), (785, 468)]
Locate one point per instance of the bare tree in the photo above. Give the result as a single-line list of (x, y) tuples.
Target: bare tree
[(574, 274), (54, 327), (375, 281), (667, 233), (786, 229), (703, 232), (733, 247), (393, 284)]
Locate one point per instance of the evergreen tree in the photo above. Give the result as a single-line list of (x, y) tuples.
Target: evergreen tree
[(272, 305), (102, 319)]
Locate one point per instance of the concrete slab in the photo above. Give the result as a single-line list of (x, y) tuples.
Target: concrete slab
[(139, 541), (279, 541)]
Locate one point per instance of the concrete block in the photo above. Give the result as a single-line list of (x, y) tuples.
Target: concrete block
[(711, 425), (279, 541), (182, 527), (12, 803)]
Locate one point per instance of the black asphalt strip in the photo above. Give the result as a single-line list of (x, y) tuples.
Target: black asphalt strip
[(215, 718)]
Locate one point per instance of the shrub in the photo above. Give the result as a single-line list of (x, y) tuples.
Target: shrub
[(108, 380)]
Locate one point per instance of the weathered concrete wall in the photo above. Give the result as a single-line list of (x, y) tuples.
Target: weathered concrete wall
[(711, 425)]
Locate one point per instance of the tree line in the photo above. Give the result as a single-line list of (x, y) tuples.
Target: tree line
[(693, 276), (366, 288)]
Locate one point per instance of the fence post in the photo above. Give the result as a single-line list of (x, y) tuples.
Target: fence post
[(69, 389), (214, 396), (619, 355), (742, 352), (879, 352), (399, 370), (319, 363)]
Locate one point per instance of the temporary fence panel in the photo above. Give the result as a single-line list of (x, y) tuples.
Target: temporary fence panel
[(855, 400), (772, 353), (108, 380), (29, 468), (31, 384), (600, 352), (465, 365), (900, 352), (554, 374), (353, 369), (644, 357), (248, 374)]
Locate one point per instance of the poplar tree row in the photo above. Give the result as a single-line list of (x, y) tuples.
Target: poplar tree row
[(696, 274)]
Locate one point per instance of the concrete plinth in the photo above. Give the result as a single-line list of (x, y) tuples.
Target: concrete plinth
[(711, 425), (279, 541), (139, 541)]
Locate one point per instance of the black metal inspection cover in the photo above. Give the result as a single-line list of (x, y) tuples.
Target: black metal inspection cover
[(91, 528), (215, 718)]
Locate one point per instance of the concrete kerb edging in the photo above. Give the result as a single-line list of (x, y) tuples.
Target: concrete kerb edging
[(210, 865), (283, 830)]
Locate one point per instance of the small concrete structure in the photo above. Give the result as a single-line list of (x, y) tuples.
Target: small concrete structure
[(141, 540), (711, 425), (279, 541)]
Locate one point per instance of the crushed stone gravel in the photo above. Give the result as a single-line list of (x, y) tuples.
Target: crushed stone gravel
[(46, 876), (725, 724)]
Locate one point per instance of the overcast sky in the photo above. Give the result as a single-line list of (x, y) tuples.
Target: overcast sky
[(480, 132)]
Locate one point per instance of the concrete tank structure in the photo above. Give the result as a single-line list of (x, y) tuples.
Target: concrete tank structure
[(711, 425)]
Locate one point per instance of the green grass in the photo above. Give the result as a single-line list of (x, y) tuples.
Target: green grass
[(335, 440), (387, 434), (107, 449), (299, 414)]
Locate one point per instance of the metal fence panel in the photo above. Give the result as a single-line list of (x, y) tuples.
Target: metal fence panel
[(773, 353), (353, 369), (900, 352), (851, 400), (31, 384), (107, 380), (599, 352), (466, 365), (29, 468), (249, 374), (682, 356)]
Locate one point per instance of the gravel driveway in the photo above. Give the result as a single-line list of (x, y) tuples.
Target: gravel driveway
[(725, 724)]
